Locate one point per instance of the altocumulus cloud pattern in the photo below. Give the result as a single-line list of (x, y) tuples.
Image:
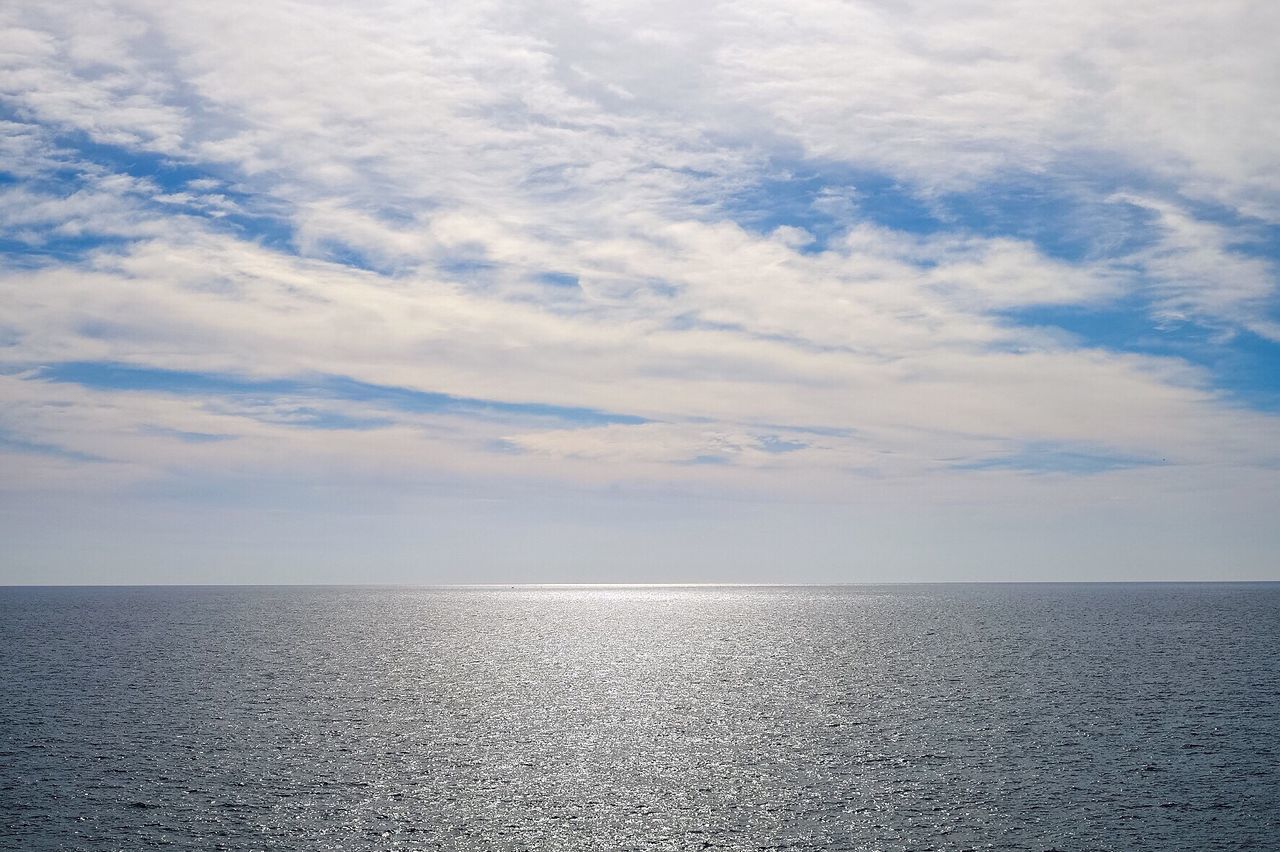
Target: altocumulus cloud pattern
[(711, 291)]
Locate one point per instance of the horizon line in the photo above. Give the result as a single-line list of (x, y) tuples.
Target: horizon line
[(654, 585)]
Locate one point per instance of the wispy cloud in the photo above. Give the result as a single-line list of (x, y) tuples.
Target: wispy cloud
[(740, 250)]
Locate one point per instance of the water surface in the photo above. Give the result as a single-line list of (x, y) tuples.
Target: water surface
[(1071, 717)]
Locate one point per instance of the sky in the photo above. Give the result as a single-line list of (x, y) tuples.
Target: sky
[(405, 292)]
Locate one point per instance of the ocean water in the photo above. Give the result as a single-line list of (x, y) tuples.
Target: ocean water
[(1037, 717)]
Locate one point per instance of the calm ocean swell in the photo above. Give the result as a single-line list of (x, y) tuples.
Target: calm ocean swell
[(1037, 717)]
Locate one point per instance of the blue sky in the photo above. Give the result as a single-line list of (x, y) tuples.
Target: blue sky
[(551, 292)]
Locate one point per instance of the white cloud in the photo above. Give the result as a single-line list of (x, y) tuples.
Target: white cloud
[(913, 382), (466, 153), (1197, 276)]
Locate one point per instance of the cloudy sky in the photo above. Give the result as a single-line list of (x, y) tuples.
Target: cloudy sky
[(502, 291)]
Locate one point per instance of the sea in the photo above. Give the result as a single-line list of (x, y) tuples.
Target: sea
[(859, 717)]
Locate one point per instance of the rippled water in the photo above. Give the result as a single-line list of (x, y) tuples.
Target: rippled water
[(542, 718)]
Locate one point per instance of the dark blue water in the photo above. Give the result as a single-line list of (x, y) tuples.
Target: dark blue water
[(889, 718)]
